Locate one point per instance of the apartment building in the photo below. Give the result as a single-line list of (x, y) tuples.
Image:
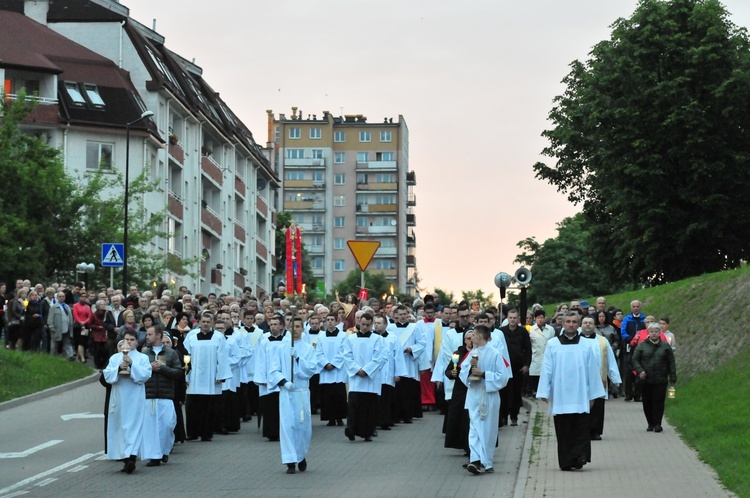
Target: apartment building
[(216, 182), (344, 178)]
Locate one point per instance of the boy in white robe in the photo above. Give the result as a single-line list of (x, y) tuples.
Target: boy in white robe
[(364, 356), (570, 380), (127, 402), (333, 377), (391, 373), (295, 428), (413, 343), (483, 399)]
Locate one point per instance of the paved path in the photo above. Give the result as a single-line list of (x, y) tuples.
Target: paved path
[(628, 462), (407, 461)]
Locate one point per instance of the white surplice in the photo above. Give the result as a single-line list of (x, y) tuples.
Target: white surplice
[(368, 354), (209, 363)]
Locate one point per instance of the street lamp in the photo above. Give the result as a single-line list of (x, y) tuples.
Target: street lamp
[(145, 115), (85, 268)]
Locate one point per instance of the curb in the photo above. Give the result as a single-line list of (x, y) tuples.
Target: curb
[(47, 393), (523, 468)]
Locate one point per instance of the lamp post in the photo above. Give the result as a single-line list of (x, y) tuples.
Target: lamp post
[(145, 115), (85, 268)]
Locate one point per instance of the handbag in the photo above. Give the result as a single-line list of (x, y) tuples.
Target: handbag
[(85, 332)]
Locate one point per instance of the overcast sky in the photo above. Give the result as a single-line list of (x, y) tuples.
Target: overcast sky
[(474, 81)]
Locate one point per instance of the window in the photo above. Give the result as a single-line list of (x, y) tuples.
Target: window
[(75, 94), (339, 201), (174, 236), (361, 221), (295, 153), (362, 157), (338, 243), (385, 178), (315, 133), (317, 153), (317, 176), (385, 264), (339, 265), (364, 136), (294, 132), (339, 157), (99, 155), (294, 175), (276, 134), (384, 156), (385, 199), (339, 179), (385, 221), (362, 178), (93, 94), (316, 262), (339, 221), (339, 136), (385, 136)]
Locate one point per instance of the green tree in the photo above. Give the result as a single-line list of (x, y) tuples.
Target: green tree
[(563, 267), (376, 283), (485, 301), (650, 136), (445, 297), (284, 221)]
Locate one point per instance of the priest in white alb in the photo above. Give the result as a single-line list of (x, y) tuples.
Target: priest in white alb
[(127, 372)]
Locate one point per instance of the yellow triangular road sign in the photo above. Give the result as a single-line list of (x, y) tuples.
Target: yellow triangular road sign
[(363, 251)]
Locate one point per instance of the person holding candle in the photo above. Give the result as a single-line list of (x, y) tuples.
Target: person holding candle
[(654, 364), (127, 372), (488, 373), (457, 417)]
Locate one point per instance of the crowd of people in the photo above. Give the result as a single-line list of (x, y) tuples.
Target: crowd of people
[(181, 367)]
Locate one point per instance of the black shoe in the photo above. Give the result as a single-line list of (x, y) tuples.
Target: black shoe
[(153, 463), (302, 465), (614, 395), (475, 468), (247, 419), (314, 411), (374, 433), (566, 468), (191, 438), (636, 398), (368, 439), (223, 432), (658, 428), (408, 421), (628, 398), (466, 464), (290, 468), (206, 439), (650, 428), (129, 467), (580, 462), (385, 428), (339, 422), (165, 459), (514, 422), (596, 437), (331, 423), (273, 439), (490, 470), (349, 433)]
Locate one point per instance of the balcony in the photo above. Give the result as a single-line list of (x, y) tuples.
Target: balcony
[(411, 260), (315, 249), (211, 219), (240, 186), (212, 169), (377, 208), (312, 227), (382, 187), (262, 207), (239, 280), (392, 273), (411, 200), (307, 162), (411, 220), (305, 204), (260, 248), (386, 251), (303, 183), (411, 240), (411, 178), (216, 277), (378, 165), (239, 232), (319, 184), (388, 230), (175, 206), (175, 150)]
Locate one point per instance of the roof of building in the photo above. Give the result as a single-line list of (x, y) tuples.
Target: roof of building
[(27, 45)]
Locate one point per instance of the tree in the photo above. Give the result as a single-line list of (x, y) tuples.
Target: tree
[(445, 298), (651, 137), (563, 267), (284, 221), (484, 300), (376, 283)]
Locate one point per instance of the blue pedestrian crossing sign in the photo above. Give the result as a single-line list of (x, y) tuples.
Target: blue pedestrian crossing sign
[(113, 255)]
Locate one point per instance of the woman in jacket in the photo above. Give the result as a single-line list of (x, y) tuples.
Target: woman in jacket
[(15, 319), (653, 361), (32, 323)]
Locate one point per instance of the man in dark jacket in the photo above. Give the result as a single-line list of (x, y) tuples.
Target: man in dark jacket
[(160, 418), (630, 326), (653, 361), (519, 349)]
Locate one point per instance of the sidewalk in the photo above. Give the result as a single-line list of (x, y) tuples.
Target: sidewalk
[(627, 462)]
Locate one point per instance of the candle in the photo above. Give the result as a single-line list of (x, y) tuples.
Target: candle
[(187, 359), (455, 359)]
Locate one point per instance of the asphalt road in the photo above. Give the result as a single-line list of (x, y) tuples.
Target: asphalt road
[(41, 454)]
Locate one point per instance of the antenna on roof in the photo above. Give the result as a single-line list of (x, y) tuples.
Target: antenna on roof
[(153, 25)]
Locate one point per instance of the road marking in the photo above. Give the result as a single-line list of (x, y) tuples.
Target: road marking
[(79, 468), (22, 454), (17, 493), (46, 473), (49, 480), (71, 416), (103, 457)]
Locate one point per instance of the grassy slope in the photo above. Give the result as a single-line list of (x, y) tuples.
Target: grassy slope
[(709, 317), (26, 373)]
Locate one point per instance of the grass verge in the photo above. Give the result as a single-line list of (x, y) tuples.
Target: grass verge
[(25, 373), (710, 412)]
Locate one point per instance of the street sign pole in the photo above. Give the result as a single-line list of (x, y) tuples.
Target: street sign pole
[(112, 276)]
